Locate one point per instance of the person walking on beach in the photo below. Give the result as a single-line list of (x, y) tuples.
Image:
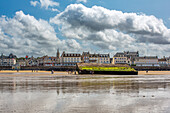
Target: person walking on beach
[(52, 72)]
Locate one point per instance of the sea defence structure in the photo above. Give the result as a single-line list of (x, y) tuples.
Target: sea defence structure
[(109, 69)]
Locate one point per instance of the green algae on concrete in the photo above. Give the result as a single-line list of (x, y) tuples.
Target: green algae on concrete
[(91, 68)]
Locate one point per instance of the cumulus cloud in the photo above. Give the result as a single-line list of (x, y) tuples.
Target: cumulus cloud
[(47, 4), (111, 29), (23, 34), (82, 1)]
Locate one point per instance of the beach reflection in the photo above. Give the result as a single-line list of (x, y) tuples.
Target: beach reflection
[(129, 93)]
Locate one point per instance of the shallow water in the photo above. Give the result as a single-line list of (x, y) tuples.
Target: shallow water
[(85, 94)]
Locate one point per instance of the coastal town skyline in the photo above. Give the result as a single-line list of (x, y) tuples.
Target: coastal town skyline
[(39, 27), (72, 59)]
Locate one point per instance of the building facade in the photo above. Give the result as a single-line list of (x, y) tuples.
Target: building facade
[(120, 58), (95, 58), (147, 61), (125, 58), (163, 62), (21, 62), (47, 61), (131, 56), (70, 59), (8, 60)]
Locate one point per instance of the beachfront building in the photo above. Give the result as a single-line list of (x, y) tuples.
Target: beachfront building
[(8, 60), (163, 62), (147, 61), (131, 56), (104, 58), (48, 61), (21, 62), (70, 59), (125, 58), (31, 61), (95, 58), (120, 58)]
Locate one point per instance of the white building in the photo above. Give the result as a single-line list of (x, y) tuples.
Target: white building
[(147, 61), (70, 59)]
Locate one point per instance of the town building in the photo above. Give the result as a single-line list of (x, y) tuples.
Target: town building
[(131, 56), (95, 58), (147, 61), (125, 58), (21, 62), (70, 59), (47, 61), (8, 60), (120, 58), (32, 61), (163, 62)]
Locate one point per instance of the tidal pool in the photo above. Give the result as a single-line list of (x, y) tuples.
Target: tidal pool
[(85, 94)]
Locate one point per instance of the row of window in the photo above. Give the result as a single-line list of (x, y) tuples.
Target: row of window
[(105, 62), (71, 61), (121, 58), (121, 61), (72, 58)]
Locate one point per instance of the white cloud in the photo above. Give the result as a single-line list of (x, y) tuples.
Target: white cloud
[(82, 1), (34, 3), (45, 3), (111, 29), (48, 3), (23, 34), (56, 10)]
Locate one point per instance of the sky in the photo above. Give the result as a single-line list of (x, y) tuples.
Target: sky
[(40, 27)]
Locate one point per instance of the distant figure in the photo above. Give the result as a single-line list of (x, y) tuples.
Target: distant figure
[(52, 72), (146, 71), (68, 71), (75, 72), (32, 70)]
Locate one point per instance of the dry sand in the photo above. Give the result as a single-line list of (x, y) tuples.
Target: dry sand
[(48, 73), (154, 73), (30, 73)]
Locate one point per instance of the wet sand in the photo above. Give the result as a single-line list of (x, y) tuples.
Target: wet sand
[(24, 92)]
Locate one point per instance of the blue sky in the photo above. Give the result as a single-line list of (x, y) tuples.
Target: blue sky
[(57, 25)]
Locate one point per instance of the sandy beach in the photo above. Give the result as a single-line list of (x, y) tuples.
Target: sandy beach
[(48, 73), (30, 73)]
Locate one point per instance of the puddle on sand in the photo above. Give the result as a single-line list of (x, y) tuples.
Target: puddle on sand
[(85, 94)]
